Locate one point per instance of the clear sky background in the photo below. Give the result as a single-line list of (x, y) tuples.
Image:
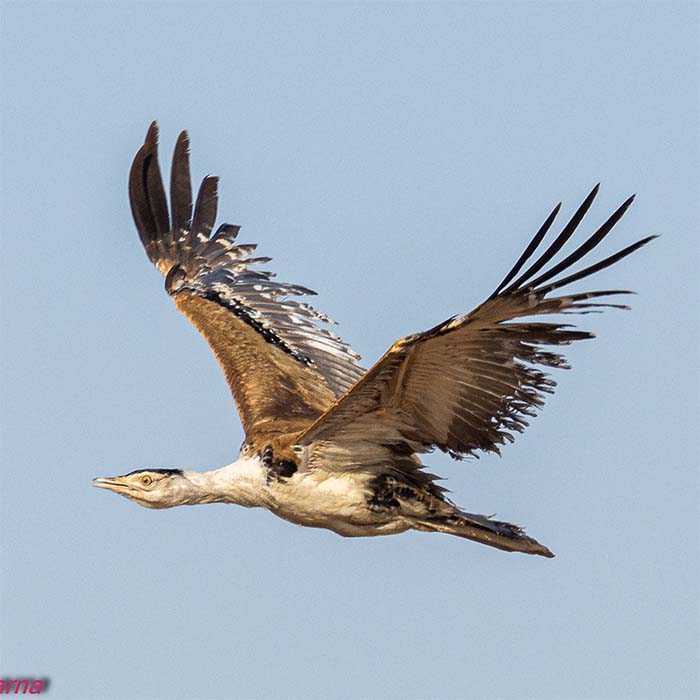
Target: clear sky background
[(396, 158)]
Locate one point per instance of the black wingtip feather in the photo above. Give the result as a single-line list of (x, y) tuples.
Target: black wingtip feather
[(586, 247), (181, 186), (607, 262), (558, 242), (205, 207), (151, 139), (156, 194), (148, 205), (138, 200), (532, 246)]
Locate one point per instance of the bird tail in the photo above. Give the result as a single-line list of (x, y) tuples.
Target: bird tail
[(481, 528)]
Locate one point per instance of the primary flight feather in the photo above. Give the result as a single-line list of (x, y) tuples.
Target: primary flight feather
[(329, 444)]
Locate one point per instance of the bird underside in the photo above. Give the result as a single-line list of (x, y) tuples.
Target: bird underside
[(364, 504)]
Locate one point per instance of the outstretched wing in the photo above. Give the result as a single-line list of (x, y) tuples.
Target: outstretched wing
[(283, 369), (468, 384)]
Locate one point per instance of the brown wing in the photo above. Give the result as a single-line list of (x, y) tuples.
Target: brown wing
[(282, 367), (469, 383)]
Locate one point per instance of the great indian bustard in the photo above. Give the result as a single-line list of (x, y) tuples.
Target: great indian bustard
[(329, 444)]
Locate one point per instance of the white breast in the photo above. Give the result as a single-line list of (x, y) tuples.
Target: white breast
[(334, 501)]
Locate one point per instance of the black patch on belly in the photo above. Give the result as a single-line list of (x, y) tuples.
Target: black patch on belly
[(277, 469), (387, 492)]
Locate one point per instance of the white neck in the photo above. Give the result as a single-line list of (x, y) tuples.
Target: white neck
[(242, 482)]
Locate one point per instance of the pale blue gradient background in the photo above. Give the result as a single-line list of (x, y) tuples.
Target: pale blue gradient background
[(396, 158)]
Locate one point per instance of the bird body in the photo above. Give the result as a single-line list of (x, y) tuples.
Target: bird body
[(352, 504), (329, 444)]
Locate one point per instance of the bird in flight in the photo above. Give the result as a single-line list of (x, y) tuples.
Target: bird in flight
[(329, 444)]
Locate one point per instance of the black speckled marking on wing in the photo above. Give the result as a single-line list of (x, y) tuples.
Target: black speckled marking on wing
[(242, 312), (277, 469)]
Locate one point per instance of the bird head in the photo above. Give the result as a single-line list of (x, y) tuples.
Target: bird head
[(152, 488)]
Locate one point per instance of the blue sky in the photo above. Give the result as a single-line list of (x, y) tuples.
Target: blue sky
[(396, 158)]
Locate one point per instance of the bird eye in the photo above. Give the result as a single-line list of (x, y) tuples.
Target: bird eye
[(146, 480)]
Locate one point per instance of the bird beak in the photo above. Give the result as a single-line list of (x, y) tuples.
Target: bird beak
[(113, 483)]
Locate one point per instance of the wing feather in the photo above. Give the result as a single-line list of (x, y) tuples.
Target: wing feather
[(204, 211), (470, 383), (283, 368), (532, 246), (181, 187), (558, 242)]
